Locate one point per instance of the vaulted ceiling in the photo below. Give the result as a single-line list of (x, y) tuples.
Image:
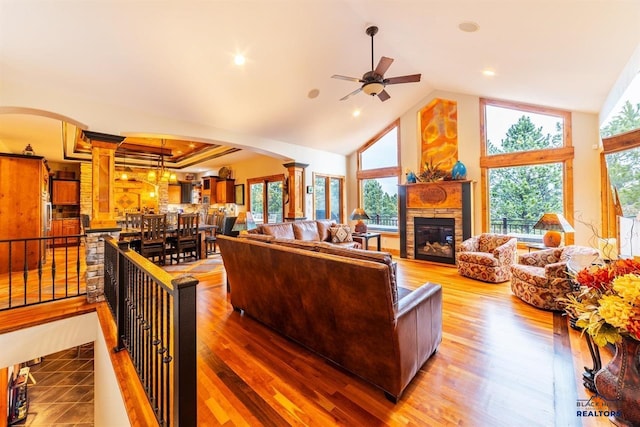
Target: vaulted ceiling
[(171, 64)]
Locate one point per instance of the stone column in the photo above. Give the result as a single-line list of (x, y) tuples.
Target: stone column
[(94, 254)]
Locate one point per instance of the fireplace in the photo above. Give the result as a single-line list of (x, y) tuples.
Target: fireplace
[(435, 239)]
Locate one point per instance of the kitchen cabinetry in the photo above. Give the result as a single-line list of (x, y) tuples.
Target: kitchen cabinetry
[(65, 227), (216, 190), (24, 186), (180, 193), (65, 192), (175, 195), (209, 190), (225, 191)]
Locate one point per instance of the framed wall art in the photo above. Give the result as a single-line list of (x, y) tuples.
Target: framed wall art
[(239, 194)]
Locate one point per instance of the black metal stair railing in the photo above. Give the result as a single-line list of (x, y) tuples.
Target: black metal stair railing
[(40, 269), (155, 316)]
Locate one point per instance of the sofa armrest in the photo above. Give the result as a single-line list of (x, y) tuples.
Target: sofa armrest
[(416, 297), (506, 253), (419, 332)]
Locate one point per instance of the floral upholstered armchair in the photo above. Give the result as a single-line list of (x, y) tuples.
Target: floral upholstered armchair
[(487, 257), (540, 278)]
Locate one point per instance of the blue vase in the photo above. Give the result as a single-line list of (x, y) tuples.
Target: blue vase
[(459, 171), (411, 178)]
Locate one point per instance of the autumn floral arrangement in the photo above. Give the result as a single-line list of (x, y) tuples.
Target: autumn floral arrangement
[(607, 306)]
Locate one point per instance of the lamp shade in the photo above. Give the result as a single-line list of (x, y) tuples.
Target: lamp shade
[(244, 222), (554, 223), (359, 214)]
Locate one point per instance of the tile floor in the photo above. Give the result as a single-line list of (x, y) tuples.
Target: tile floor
[(63, 393)]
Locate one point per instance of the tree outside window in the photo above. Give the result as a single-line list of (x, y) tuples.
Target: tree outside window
[(525, 152)]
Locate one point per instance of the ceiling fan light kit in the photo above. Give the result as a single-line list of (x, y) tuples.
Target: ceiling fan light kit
[(373, 82)]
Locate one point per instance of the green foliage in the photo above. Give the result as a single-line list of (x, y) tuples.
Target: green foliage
[(626, 120), (525, 192), (377, 201), (623, 166)]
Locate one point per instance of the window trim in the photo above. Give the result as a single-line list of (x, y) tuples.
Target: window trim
[(264, 180), (564, 155), (327, 196)]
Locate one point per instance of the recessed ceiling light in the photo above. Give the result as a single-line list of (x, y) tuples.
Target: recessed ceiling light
[(356, 113), (313, 93), (179, 151), (468, 27), (489, 73), (192, 145), (239, 59)]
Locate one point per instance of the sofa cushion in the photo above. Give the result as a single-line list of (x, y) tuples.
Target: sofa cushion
[(306, 230), (381, 257), (340, 233), (282, 230), (323, 228)]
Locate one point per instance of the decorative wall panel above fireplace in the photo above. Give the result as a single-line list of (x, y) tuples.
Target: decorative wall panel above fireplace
[(451, 200)]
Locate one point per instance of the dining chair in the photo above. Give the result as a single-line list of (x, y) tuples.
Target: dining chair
[(217, 220), (153, 237), (184, 241), (132, 221)]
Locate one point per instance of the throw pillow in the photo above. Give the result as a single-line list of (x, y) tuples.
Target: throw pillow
[(340, 234)]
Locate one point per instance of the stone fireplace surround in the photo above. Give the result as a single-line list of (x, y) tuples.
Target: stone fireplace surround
[(442, 199)]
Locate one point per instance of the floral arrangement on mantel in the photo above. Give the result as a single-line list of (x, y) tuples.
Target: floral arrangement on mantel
[(608, 304)]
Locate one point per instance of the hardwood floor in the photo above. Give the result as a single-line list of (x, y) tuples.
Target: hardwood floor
[(501, 363)]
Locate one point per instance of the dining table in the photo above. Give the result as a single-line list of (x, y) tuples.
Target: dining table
[(133, 233)]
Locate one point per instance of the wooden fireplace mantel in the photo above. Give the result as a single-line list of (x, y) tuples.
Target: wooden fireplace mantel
[(439, 194)]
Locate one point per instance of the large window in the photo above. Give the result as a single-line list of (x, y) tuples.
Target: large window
[(621, 177), (266, 199), (328, 196), (378, 178), (526, 161)]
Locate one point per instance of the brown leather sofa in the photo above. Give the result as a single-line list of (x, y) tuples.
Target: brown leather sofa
[(340, 303), (307, 230)]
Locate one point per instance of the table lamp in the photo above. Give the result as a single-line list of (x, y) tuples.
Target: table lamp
[(359, 214), (244, 222), (555, 224)]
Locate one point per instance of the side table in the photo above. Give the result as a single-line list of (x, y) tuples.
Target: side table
[(364, 237)]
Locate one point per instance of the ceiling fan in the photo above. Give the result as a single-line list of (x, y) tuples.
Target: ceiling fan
[(374, 82)]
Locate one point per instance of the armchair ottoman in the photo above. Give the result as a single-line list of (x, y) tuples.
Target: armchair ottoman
[(487, 257)]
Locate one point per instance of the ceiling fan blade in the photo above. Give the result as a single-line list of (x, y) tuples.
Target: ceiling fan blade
[(351, 94), (383, 65), (403, 79), (351, 79), (384, 96)]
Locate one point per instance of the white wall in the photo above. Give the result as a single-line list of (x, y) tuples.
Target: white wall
[(38, 341), (586, 163)]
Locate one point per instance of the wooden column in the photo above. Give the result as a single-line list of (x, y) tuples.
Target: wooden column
[(295, 190), (103, 148)]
